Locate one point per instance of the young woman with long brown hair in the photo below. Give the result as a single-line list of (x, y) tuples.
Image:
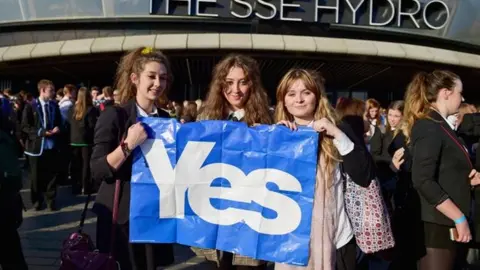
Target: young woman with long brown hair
[(441, 169), (302, 101), (82, 118), (143, 77), (236, 94)]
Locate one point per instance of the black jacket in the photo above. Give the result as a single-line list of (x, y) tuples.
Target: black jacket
[(358, 164), (111, 127), (32, 126), (81, 131), (440, 168)]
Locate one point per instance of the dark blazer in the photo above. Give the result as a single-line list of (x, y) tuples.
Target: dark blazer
[(111, 127), (358, 164), (440, 168), (81, 131), (32, 126), (376, 144)]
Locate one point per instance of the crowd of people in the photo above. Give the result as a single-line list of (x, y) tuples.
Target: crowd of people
[(422, 151)]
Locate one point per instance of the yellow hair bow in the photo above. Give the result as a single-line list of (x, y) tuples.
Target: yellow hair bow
[(147, 50)]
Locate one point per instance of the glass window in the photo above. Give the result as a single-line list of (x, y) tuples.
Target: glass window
[(40, 9), (10, 11), (131, 7)]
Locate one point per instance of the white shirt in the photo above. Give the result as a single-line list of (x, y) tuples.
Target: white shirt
[(142, 113), (239, 114), (344, 230)]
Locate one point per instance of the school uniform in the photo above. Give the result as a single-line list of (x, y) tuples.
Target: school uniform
[(81, 142), (39, 117), (110, 130), (407, 225), (440, 170)]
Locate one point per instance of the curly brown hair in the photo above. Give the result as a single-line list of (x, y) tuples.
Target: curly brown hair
[(134, 62), (216, 106)]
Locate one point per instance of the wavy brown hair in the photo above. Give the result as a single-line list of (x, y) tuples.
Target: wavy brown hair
[(314, 82), (84, 100), (421, 93), (256, 105), (350, 107), (370, 104), (134, 62)]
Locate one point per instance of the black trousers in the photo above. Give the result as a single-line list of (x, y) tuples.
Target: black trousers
[(64, 159), (346, 256), (43, 176), (130, 256), (80, 169), (11, 255)]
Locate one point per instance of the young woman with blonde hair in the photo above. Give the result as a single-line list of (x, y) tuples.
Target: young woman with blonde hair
[(235, 94), (143, 77), (442, 172), (302, 101)]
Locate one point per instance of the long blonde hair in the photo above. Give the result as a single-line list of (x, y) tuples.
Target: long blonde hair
[(256, 106), (134, 62), (421, 93), (84, 100), (314, 82)]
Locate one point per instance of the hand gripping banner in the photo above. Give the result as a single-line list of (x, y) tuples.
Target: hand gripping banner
[(222, 185)]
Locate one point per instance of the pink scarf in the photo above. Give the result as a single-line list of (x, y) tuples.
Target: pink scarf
[(322, 246)]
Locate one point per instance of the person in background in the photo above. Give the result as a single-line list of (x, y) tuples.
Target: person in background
[(59, 95), (189, 113), (116, 96), (95, 92), (143, 75), (372, 115), (107, 98), (177, 111), (82, 118), (66, 103), (42, 123), (442, 172), (11, 204), (18, 106), (7, 93)]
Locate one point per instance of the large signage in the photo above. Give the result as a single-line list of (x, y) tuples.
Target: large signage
[(421, 14), (222, 185)]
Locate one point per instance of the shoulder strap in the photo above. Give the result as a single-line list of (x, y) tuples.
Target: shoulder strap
[(116, 199), (84, 213)]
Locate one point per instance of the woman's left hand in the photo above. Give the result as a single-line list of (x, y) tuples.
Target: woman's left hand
[(324, 125)]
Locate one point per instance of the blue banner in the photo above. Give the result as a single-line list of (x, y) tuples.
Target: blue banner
[(225, 186)]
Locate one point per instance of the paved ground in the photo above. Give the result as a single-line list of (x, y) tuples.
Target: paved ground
[(42, 234)]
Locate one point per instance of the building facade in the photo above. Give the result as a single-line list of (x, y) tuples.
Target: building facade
[(362, 47)]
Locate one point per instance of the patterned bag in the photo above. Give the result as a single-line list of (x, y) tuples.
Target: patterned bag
[(369, 216)]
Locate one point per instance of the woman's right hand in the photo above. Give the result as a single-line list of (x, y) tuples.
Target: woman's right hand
[(136, 135), (397, 158), (288, 124), (464, 234)]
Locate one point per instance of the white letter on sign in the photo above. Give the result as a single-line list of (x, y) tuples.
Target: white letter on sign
[(188, 174)]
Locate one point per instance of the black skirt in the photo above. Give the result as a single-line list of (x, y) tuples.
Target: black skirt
[(437, 236)]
